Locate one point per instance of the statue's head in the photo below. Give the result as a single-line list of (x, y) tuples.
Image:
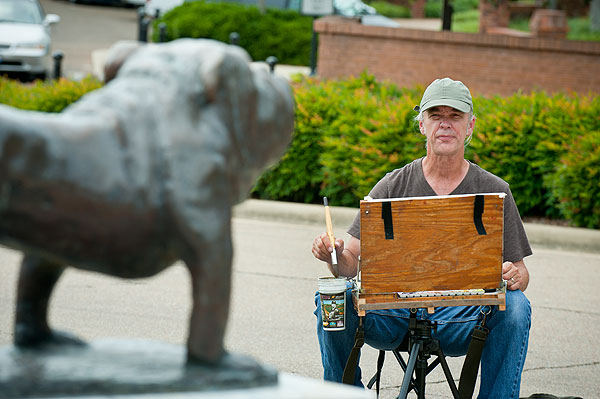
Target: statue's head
[(222, 89)]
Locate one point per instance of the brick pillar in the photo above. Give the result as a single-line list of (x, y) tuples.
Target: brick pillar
[(417, 10), (493, 16), (549, 24)]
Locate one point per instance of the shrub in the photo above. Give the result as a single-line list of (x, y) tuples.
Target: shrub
[(349, 133), (299, 173), (575, 184), (45, 96), (373, 133), (465, 5), (284, 34), (522, 138), (433, 8)]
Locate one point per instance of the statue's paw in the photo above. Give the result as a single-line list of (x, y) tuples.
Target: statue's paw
[(27, 337), (198, 361), (231, 369), (65, 338), (228, 361)]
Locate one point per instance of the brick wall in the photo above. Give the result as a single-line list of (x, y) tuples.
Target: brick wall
[(487, 64)]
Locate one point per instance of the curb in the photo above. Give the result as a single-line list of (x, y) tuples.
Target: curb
[(542, 235)]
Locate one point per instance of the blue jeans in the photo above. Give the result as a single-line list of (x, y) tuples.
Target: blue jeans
[(503, 355)]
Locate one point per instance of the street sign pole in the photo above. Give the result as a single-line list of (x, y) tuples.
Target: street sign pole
[(315, 8)]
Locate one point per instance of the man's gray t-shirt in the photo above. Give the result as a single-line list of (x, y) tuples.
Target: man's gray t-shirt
[(409, 181)]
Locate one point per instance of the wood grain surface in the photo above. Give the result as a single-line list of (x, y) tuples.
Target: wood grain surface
[(436, 245)]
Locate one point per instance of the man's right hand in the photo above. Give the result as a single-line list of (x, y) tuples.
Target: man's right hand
[(322, 248)]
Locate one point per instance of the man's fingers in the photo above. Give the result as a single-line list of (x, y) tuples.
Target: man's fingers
[(325, 242), (321, 248)]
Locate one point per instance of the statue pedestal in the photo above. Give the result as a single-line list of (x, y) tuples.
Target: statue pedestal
[(133, 369)]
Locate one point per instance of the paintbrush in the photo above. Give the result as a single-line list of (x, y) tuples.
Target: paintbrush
[(334, 262)]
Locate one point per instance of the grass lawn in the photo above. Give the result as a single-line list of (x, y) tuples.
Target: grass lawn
[(579, 28), (466, 18), (466, 21)]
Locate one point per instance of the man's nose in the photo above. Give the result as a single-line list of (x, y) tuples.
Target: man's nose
[(445, 122)]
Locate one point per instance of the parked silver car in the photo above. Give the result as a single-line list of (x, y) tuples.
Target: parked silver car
[(25, 38)]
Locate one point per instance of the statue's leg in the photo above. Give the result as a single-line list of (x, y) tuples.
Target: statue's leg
[(210, 269), (36, 281)]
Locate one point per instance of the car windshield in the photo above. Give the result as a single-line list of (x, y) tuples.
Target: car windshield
[(24, 11)]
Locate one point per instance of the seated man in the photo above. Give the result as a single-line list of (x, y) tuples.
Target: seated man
[(446, 120)]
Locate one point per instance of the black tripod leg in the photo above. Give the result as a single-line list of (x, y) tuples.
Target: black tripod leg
[(448, 374), (412, 360), (403, 365), (421, 374)]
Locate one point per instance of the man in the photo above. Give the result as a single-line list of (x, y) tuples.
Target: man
[(446, 119)]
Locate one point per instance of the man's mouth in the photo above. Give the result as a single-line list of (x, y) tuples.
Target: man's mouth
[(445, 137)]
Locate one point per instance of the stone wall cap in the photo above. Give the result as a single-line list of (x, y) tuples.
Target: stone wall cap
[(335, 24)]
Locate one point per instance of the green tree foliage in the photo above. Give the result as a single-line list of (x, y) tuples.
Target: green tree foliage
[(348, 135), (284, 34), (522, 138), (575, 183)]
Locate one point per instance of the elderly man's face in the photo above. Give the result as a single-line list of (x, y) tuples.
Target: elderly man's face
[(446, 129)]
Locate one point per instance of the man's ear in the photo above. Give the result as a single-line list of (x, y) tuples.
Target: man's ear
[(472, 124), (117, 55), (421, 128)]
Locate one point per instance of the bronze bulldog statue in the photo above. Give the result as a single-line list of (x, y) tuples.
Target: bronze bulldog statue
[(139, 174)]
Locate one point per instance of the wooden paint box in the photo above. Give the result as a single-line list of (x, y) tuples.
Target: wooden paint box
[(427, 251)]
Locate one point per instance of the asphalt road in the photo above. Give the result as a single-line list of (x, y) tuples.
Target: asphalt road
[(87, 27), (271, 316)]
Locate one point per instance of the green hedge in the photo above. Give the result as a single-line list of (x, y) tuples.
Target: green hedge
[(350, 133), (347, 135), (523, 137), (284, 34), (575, 183), (46, 96)]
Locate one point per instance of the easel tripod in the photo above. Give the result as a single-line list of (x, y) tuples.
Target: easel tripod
[(422, 345)]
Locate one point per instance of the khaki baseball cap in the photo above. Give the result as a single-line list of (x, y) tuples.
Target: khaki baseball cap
[(448, 92)]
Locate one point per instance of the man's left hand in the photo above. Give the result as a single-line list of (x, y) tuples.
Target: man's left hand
[(516, 275)]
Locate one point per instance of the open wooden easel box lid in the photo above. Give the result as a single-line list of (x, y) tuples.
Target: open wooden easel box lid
[(423, 252)]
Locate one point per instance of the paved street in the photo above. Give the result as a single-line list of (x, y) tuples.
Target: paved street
[(86, 31), (84, 28), (271, 317)]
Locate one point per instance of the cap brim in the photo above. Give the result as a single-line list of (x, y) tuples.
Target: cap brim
[(456, 104)]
